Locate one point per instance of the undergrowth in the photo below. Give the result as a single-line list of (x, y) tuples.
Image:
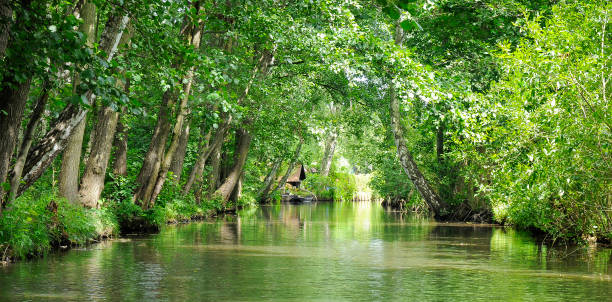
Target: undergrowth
[(33, 226)]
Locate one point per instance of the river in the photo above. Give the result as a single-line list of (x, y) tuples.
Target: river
[(351, 251)]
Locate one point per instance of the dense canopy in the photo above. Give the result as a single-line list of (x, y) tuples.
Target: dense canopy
[(116, 115)]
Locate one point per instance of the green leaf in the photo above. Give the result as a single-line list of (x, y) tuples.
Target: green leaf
[(84, 99), (392, 12), (406, 4), (408, 25)]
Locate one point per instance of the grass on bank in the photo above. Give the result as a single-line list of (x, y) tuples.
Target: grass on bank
[(40, 221)]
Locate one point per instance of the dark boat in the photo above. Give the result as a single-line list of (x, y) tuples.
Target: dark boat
[(296, 199)]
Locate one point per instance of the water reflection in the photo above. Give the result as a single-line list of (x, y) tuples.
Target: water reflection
[(351, 251)]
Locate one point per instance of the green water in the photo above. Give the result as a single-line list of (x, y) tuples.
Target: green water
[(317, 252)]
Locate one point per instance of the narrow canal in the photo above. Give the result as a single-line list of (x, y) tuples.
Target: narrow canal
[(352, 251)]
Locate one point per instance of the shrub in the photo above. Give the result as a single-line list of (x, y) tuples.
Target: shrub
[(118, 189), (247, 200), (32, 226), (337, 186)]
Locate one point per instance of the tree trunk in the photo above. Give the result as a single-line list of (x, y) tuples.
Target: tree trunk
[(224, 191), (54, 142), (435, 203), (294, 161), (261, 68), (215, 170), (237, 192), (12, 102), (13, 92), (69, 174), (196, 175), (6, 16), (120, 146), (178, 126), (176, 167), (152, 161), (43, 126), (43, 154), (262, 195), (92, 182), (328, 155), (95, 112), (101, 143), (440, 143)]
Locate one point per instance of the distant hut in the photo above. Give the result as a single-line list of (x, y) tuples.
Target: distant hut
[(296, 177)]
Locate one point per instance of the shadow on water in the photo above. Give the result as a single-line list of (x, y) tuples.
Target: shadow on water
[(322, 251)]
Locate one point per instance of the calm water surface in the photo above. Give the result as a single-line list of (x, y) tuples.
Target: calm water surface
[(317, 252)]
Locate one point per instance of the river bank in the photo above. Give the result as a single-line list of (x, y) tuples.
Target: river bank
[(33, 228), (56, 225), (321, 251)]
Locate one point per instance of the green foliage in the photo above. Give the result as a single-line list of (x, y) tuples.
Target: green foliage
[(345, 186), (538, 145), (275, 196), (126, 211), (247, 200), (118, 189), (514, 91), (337, 186), (183, 210), (320, 185), (33, 226)]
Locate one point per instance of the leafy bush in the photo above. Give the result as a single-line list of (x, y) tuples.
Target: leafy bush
[(104, 221), (32, 226), (337, 186), (118, 189), (247, 200), (171, 192), (184, 209), (346, 186), (322, 186), (538, 145)]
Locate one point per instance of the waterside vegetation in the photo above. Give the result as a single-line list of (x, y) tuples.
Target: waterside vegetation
[(122, 116)]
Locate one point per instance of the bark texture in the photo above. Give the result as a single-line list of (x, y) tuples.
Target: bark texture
[(92, 182), (237, 192), (14, 89), (262, 195), (152, 160), (120, 146), (12, 101), (328, 155), (176, 167), (196, 174), (435, 203), (28, 138), (215, 170), (6, 14), (156, 181), (244, 143), (43, 154), (71, 159)]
